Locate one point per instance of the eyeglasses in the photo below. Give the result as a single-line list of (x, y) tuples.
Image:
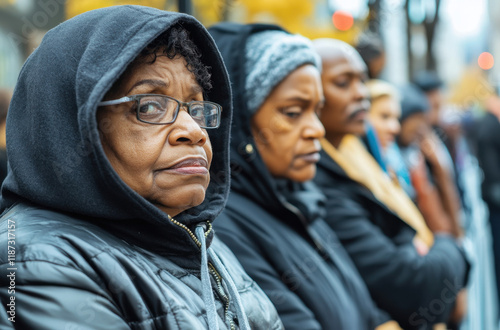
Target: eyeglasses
[(160, 109)]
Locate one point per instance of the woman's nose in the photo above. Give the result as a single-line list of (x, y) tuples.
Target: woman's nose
[(314, 128), (186, 130)]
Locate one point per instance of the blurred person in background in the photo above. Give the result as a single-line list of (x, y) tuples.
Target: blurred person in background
[(5, 97), (118, 142), (273, 220), (456, 158), (371, 48), (435, 176), (430, 83), (488, 153), (386, 236), (382, 128), (425, 155), (385, 111), (483, 304), (442, 139)]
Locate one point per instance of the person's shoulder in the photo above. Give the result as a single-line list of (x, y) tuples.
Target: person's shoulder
[(245, 219), (241, 206), (40, 234), (329, 173), (488, 127)]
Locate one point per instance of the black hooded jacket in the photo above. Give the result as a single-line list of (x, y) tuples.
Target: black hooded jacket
[(275, 229), (82, 249), (417, 291)]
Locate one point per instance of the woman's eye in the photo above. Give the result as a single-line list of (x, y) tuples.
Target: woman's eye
[(150, 108), (292, 112), (197, 110)]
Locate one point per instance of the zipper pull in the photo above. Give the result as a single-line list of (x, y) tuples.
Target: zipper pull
[(203, 225)]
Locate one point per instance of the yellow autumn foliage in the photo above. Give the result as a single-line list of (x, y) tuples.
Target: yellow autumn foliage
[(473, 88), (7, 3), (297, 16), (76, 7)]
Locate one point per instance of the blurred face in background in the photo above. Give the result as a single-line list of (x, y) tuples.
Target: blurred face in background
[(384, 116), (413, 129), (376, 65), (286, 128), (346, 96), (435, 98)]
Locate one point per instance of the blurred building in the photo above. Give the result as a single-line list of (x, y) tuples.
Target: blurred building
[(464, 29)]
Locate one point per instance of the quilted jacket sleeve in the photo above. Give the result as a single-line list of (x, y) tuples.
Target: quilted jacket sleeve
[(400, 280), (52, 296)]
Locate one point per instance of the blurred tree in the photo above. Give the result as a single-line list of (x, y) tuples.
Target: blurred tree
[(210, 12), (374, 19), (185, 6), (429, 21), (312, 18), (75, 7)]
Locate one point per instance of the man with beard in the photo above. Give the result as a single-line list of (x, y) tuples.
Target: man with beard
[(413, 273)]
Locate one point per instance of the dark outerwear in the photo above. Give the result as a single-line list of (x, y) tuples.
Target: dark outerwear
[(416, 291), (488, 154), (275, 229), (89, 251)]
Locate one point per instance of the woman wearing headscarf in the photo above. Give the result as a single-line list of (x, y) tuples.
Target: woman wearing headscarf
[(273, 220), (118, 136)]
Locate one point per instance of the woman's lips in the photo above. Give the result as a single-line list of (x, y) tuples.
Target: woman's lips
[(190, 166)]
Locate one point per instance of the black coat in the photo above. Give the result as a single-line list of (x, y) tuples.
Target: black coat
[(416, 291), (276, 230), (90, 252), (488, 154), (69, 272)]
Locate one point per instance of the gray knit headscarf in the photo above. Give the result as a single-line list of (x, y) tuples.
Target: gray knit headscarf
[(270, 57)]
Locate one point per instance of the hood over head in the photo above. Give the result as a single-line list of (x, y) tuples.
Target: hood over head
[(56, 157), (258, 56)]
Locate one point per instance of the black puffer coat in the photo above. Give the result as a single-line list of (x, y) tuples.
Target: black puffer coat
[(81, 248), (417, 291)]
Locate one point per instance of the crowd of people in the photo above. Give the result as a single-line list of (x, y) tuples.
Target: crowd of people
[(162, 175)]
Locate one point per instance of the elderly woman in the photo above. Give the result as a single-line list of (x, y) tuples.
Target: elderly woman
[(113, 135), (273, 220)]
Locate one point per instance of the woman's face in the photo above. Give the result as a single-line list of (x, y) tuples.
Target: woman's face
[(384, 116), (286, 128), (166, 164)]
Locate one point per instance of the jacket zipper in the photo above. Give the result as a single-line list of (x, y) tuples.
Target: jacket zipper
[(189, 230), (216, 275), (220, 291)]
